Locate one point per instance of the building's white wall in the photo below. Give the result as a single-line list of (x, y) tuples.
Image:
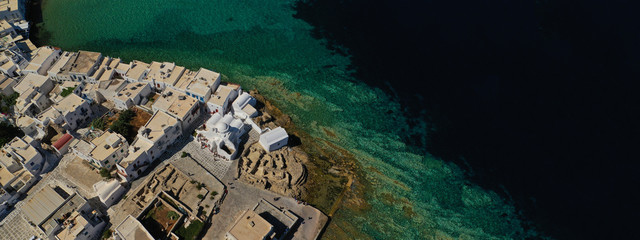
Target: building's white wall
[(76, 117), (34, 165), (272, 146)]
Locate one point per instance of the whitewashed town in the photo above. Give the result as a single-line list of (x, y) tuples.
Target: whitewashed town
[(121, 150)]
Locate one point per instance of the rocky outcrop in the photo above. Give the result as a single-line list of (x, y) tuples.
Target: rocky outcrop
[(282, 171)]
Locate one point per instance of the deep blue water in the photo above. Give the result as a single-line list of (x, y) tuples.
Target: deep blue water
[(538, 98)]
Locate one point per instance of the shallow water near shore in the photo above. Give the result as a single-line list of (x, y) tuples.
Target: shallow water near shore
[(402, 192)]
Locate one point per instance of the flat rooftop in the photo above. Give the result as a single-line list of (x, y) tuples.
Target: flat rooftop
[(106, 145), (103, 64), (158, 123), (173, 77), (123, 67), (41, 55), (137, 69), (64, 59), (132, 229), (51, 113), (4, 25), (207, 76), (250, 226), (185, 79), (81, 62), (139, 148), (45, 202), (160, 71), (6, 81), (30, 81), (221, 94), (69, 103), (198, 87), (131, 90), (175, 102), (22, 148), (76, 201), (182, 105)]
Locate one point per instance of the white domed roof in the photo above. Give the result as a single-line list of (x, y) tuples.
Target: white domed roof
[(221, 127)]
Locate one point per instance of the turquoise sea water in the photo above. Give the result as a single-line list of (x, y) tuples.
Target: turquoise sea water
[(259, 44)]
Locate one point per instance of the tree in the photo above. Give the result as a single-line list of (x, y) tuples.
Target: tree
[(126, 115), (7, 101), (123, 125), (8, 132), (120, 127), (184, 155), (99, 123)]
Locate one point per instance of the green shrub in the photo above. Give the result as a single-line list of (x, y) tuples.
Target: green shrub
[(173, 215), (107, 234), (65, 92), (191, 232), (105, 173), (184, 155), (200, 196)]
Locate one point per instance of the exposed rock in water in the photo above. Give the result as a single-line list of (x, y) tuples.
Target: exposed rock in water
[(281, 171)]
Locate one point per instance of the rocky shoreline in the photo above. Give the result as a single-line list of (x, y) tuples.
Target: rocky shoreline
[(315, 171)]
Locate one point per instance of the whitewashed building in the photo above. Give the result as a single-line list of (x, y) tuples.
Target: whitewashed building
[(132, 94), (137, 72), (59, 64), (12, 62), (79, 66), (221, 135), (243, 106), (221, 100), (152, 140), (60, 213), (13, 10), (203, 84), (177, 104), (6, 84), (42, 59), (23, 151), (68, 113), (33, 90), (274, 139), (109, 192), (110, 148)]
